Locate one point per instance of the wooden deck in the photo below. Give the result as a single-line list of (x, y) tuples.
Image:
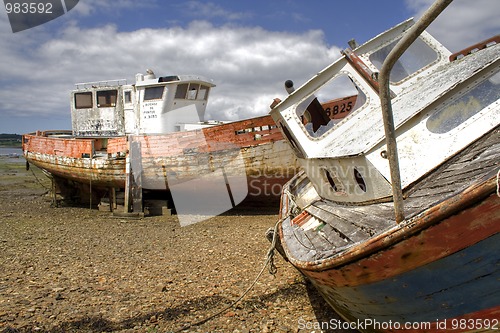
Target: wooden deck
[(326, 229)]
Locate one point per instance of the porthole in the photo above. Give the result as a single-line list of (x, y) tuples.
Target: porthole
[(330, 180), (359, 180)]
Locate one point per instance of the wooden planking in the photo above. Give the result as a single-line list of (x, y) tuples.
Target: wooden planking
[(212, 139), (340, 224), (360, 222), (58, 146), (323, 238), (362, 216), (461, 170), (332, 236), (117, 145), (298, 243)]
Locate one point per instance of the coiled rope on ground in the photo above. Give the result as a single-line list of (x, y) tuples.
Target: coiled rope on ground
[(272, 270)]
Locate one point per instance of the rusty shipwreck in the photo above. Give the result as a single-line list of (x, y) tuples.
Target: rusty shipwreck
[(150, 136), (395, 217)]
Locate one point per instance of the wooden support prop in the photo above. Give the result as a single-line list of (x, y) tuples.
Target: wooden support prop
[(133, 180), (136, 176)]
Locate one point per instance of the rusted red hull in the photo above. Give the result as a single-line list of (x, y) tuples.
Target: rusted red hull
[(438, 272), (253, 147)]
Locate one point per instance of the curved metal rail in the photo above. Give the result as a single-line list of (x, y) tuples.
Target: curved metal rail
[(385, 100)]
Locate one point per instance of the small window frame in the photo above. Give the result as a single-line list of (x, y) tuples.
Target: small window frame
[(402, 63), (192, 91), (152, 93), (82, 103), (323, 129), (127, 96), (106, 98)]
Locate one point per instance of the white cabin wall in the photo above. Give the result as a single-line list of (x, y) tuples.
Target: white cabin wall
[(164, 116), (185, 111), (130, 110), (150, 114), (97, 121)]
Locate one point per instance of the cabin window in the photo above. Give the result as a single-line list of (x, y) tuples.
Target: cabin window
[(192, 91), (106, 98), (333, 102), (83, 100), (459, 109), (153, 93), (330, 179), (181, 91), (203, 93), (416, 57), (127, 97)]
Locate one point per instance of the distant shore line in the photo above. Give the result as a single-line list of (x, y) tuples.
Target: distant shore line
[(11, 145), (10, 140)]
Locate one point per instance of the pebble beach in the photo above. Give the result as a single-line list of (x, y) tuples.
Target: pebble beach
[(75, 269)]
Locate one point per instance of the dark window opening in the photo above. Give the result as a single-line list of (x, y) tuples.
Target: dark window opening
[(290, 139), (316, 115), (330, 180), (83, 100), (333, 101), (359, 180), (192, 91), (106, 98), (153, 93), (181, 91), (168, 78), (128, 97), (203, 93)]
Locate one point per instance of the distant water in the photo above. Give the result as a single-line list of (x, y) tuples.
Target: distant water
[(12, 154)]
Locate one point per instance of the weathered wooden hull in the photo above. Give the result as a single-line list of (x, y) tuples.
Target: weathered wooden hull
[(439, 271), (252, 148), (442, 276), (436, 271)]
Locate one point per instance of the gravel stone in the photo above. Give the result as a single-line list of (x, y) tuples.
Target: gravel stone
[(75, 269)]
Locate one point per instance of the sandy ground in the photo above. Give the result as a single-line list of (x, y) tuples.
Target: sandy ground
[(73, 269)]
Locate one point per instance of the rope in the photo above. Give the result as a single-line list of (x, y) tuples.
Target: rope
[(38, 180), (272, 270), (498, 183)]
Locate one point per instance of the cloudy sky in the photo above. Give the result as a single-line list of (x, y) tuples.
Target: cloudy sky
[(249, 48)]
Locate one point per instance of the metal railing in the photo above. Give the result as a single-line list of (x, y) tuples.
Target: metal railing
[(385, 100)]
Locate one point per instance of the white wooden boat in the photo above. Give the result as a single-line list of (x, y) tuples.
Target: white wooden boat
[(396, 216), (149, 136)]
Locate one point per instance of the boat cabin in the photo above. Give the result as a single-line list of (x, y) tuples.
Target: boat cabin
[(150, 106), (436, 102)]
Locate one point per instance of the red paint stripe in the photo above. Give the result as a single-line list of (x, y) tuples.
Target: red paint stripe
[(209, 139), (301, 219)]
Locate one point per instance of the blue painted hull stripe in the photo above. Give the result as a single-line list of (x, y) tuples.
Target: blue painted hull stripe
[(464, 282)]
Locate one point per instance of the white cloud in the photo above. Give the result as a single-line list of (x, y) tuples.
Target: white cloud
[(463, 22), (247, 64), (210, 10)]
